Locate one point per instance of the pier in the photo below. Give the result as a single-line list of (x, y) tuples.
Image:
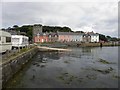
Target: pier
[(12, 65)]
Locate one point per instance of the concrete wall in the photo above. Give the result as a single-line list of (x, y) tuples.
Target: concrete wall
[(14, 65)]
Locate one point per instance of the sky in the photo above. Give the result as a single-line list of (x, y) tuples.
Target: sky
[(79, 15)]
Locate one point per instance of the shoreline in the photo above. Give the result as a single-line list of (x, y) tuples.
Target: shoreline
[(74, 44)]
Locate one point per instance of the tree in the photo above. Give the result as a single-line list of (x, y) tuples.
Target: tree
[(3, 29), (9, 28), (102, 37), (114, 39), (56, 28), (108, 38), (79, 32), (15, 26)]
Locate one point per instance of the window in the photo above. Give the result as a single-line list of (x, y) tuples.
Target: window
[(23, 40), (8, 39), (50, 36), (0, 38), (15, 39), (55, 35)]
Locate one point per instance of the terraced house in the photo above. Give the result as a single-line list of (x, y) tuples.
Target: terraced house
[(78, 37), (90, 37), (39, 36), (69, 37)]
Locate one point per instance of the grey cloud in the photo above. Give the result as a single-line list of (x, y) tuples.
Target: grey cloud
[(103, 16)]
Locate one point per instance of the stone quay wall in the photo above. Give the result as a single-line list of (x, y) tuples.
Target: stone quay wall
[(10, 68)]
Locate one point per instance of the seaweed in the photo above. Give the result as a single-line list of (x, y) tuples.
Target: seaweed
[(92, 77), (66, 62), (106, 71), (116, 76), (67, 78), (61, 77), (42, 66), (105, 61), (79, 80)]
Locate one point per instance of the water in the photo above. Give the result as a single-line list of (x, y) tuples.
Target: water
[(80, 68)]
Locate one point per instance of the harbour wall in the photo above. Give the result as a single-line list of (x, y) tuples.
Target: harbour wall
[(98, 44), (77, 44), (10, 68)]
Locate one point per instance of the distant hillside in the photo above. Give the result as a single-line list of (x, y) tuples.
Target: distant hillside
[(56, 28), (27, 29)]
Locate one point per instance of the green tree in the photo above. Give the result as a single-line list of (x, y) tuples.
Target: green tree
[(108, 38), (16, 28), (114, 39), (102, 37), (56, 28)]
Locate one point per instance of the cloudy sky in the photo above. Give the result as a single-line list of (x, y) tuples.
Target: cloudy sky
[(101, 17)]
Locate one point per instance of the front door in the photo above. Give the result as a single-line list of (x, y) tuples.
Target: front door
[(42, 40)]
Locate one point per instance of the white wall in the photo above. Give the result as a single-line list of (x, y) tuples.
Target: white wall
[(94, 38)]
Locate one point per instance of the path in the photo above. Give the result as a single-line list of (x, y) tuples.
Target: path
[(59, 49)]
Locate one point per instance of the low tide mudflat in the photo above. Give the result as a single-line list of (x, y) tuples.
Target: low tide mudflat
[(80, 68)]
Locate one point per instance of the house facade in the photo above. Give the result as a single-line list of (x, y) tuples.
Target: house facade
[(69, 37), (94, 37), (64, 36), (46, 37), (78, 37), (52, 37), (41, 37), (86, 38)]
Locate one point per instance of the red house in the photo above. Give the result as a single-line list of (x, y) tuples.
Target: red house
[(40, 38)]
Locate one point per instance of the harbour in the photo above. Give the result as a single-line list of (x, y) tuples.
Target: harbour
[(59, 45), (79, 68)]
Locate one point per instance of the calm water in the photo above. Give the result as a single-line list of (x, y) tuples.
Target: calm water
[(80, 68)]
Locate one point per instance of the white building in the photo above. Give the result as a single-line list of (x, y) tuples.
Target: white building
[(94, 37), (78, 37)]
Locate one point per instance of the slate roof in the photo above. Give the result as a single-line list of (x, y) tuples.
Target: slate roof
[(69, 33)]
